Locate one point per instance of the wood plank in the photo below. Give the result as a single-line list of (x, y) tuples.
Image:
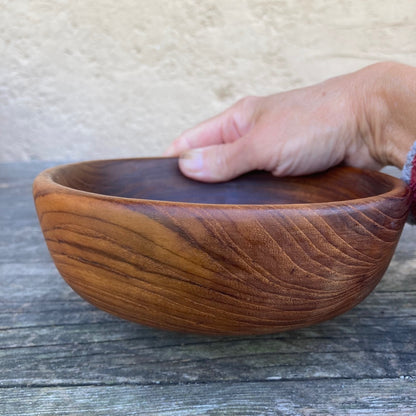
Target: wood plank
[(369, 341), (22, 243), (13, 172), (43, 319), (309, 398), (16, 202), (60, 355)]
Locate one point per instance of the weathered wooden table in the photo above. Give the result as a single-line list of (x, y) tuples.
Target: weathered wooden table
[(59, 355)]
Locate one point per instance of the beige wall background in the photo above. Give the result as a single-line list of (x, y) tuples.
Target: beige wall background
[(102, 79)]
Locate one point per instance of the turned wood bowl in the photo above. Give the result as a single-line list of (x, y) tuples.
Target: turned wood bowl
[(258, 254)]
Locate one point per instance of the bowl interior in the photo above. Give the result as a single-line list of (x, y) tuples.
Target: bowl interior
[(160, 179)]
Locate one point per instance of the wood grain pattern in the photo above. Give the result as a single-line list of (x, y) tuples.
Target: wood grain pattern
[(278, 398), (255, 255)]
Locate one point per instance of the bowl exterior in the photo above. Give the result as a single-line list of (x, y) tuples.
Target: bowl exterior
[(219, 270)]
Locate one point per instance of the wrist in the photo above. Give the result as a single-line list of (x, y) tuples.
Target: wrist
[(388, 111)]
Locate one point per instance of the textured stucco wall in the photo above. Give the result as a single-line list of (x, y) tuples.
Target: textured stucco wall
[(101, 79)]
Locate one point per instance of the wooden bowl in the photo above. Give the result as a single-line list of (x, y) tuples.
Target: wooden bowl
[(258, 254)]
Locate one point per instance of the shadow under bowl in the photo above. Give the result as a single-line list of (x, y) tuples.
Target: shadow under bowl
[(258, 254)]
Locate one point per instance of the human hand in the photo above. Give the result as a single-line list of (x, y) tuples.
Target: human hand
[(346, 119)]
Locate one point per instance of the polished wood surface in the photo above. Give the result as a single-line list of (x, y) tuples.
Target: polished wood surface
[(255, 255)]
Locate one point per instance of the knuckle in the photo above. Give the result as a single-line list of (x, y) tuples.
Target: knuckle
[(248, 102)]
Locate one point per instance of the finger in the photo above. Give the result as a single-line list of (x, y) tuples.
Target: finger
[(219, 163), (217, 130), (204, 134)]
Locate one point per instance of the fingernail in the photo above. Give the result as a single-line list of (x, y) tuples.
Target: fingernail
[(192, 160)]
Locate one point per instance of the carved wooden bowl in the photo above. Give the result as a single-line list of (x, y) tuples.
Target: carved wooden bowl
[(258, 254)]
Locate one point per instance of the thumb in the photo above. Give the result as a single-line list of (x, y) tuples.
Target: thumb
[(219, 163)]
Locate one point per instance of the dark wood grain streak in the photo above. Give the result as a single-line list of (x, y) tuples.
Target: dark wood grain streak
[(255, 255)]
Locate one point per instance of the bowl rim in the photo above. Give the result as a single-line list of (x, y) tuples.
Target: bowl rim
[(46, 178)]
